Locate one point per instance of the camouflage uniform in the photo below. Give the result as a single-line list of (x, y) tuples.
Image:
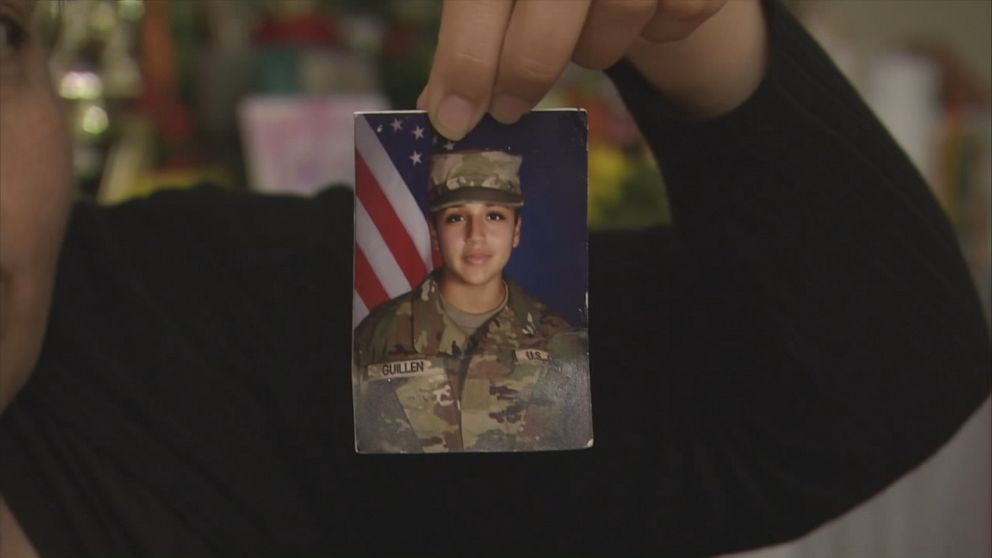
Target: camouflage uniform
[(519, 383)]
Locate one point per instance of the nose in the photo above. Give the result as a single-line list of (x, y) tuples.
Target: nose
[(474, 229)]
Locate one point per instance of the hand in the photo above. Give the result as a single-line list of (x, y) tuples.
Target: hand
[(502, 56)]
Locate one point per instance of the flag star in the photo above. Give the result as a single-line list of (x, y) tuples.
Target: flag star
[(415, 158), (449, 145), (418, 132), (379, 128), (396, 124)]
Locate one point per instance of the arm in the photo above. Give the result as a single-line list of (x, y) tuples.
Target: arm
[(828, 334), (810, 334)]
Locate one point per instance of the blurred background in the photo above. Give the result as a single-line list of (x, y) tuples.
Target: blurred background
[(257, 94)]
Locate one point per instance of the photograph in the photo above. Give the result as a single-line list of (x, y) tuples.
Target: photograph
[(471, 281)]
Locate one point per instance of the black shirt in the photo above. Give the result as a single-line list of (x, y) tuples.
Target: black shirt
[(803, 335)]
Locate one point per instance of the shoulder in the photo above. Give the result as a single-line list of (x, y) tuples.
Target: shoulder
[(206, 255), (555, 332), (530, 309), (242, 228), (384, 326), (390, 311)]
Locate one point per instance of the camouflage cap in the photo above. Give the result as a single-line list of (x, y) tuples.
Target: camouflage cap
[(474, 175)]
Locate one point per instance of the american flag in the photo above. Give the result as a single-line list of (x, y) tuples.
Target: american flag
[(392, 243)]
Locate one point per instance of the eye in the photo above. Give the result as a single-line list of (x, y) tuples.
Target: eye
[(12, 37), (454, 218), (496, 216)]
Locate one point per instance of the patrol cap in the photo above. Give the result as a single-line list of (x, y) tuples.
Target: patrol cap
[(481, 175)]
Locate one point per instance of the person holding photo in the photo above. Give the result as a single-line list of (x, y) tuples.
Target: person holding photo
[(174, 371), (467, 360)]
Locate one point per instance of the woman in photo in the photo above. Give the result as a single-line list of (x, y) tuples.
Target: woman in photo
[(467, 360)]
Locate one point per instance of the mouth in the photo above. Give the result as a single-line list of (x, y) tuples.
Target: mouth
[(478, 258)]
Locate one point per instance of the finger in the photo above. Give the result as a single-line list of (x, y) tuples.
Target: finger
[(465, 64), (422, 100), (610, 28), (540, 40), (677, 19)]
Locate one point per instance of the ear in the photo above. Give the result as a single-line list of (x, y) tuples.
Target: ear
[(516, 230)]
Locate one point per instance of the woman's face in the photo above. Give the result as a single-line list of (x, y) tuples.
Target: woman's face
[(35, 194), (475, 240)]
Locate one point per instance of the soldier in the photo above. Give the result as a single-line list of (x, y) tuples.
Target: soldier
[(467, 360)]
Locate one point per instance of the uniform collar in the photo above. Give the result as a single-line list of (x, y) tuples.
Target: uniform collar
[(436, 333), (433, 331)]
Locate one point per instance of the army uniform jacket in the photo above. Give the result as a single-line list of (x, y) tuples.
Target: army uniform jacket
[(421, 384)]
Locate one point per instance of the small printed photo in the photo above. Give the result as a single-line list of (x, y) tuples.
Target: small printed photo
[(471, 285)]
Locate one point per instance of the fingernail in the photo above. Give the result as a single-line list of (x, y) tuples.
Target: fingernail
[(508, 109), (454, 117)]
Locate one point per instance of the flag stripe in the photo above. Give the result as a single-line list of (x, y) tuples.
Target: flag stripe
[(384, 265), (393, 187), (366, 283), (390, 227), (393, 251), (358, 309)]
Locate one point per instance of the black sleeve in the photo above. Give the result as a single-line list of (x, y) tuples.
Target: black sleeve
[(181, 404), (825, 334)]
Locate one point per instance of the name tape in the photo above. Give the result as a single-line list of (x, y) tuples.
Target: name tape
[(399, 369)]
